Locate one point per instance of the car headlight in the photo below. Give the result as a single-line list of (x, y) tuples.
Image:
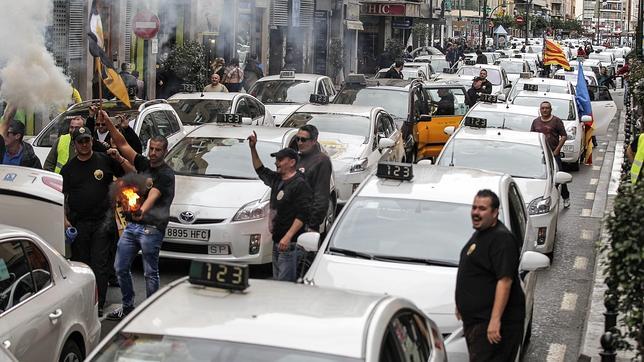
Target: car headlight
[(572, 132), (538, 206), (359, 166), (252, 211)]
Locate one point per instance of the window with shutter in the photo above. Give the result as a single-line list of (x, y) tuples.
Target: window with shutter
[(279, 13)]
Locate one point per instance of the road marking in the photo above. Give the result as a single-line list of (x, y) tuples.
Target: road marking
[(599, 158), (590, 195), (586, 235), (593, 181), (569, 302), (596, 168), (556, 352), (586, 212), (581, 263), (601, 150)]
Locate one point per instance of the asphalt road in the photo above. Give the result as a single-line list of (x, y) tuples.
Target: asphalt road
[(562, 292)]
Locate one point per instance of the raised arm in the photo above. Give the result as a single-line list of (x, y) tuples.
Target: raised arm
[(119, 140)]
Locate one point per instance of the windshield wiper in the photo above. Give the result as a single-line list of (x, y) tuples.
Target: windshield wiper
[(415, 260), (352, 253), (217, 175)]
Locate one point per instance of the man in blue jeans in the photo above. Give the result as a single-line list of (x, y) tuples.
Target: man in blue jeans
[(146, 227), (290, 207)]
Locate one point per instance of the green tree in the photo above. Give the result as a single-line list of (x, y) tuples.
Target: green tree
[(188, 63), (394, 49), (507, 21)]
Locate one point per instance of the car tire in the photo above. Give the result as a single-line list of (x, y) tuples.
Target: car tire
[(71, 352)]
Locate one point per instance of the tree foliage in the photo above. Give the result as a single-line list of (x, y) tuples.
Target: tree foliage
[(188, 63), (394, 49), (336, 57)]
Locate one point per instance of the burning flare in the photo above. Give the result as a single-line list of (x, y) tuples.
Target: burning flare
[(132, 198)]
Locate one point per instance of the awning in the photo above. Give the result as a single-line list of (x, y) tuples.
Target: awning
[(354, 24)]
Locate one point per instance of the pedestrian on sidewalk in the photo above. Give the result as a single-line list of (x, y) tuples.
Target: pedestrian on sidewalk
[(635, 154), (140, 85), (290, 206), (86, 182), (553, 128), (233, 76), (146, 228), (489, 298)]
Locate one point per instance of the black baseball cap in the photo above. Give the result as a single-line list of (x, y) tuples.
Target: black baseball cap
[(286, 152), (81, 132), (16, 127)]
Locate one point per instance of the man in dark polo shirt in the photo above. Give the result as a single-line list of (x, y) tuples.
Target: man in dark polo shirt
[(489, 298), (290, 205), (86, 181)]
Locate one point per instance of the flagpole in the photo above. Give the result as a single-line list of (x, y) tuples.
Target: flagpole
[(97, 60)]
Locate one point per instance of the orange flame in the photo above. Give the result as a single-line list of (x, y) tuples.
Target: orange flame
[(132, 198)]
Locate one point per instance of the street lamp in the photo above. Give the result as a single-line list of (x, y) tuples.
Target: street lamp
[(502, 5)]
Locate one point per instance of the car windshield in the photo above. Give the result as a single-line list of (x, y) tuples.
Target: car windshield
[(511, 67), (562, 108), (439, 64), (456, 95), (507, 120), (516, 159), (493, 75), (331, 122), (194, 112), (388, 227), (280, 91), (217, 157), (572, 78), (393, 101), (149, 347), (541, 87)]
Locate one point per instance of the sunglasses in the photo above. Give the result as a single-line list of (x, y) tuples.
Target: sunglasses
[(302, 139)]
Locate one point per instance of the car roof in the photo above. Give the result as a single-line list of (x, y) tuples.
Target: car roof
[(505, 108), (205, 95), (486, 66), (528, 94), (512, 60), (298, 76), (434, 183), (268, 134), (349, 109), (270, 313), (498, 134), (551, 81)]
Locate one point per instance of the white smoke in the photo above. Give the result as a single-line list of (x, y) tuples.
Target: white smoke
[(30, 78)]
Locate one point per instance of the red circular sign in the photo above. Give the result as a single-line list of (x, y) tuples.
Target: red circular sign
[(145, 24), (519, 20)]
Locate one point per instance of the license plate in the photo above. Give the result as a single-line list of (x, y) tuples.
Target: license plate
[(187, 234), (567, 148), (219, 249)]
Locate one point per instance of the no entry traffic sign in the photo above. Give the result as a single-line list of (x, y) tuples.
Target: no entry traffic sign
[(145, 24), (519, 20)]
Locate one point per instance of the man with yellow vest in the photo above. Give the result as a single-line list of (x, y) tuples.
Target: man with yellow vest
[(63, 149), (635, 154)]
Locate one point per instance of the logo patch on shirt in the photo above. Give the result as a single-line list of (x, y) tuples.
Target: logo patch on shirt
[(302, 169), (149, 183), (471, 249), (98, 174), (280, 195)]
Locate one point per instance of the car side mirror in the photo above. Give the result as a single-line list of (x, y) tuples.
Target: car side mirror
[(449, 130), (586, 118), (247, 120), (531, 261), (562, 178), (425, 118), (509, 85), (501, 97), (385, 142), (309, 241)]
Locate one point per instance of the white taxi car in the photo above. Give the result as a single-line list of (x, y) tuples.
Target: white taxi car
[(402, 234), (438, 62), (564, 107), (195, 109), (355, 137), (524, 155), (220, 208), (514, 67), (284, 93), (48, 305), (218, 314), (541, 85), (495, 74)]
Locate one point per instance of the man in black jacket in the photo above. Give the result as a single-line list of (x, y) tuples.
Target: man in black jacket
[(316, 167), (395, 72), (474, 92), (14, 150), (487, 86), (480, 57)]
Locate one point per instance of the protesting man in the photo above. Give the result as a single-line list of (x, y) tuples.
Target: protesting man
[(489, 298), (13, 150), (474, 92), (487, 85), (395, 72), (63, 150), (215, 85)]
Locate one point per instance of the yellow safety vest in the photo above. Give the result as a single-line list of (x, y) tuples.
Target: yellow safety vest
[(637, 162), (62, 151)]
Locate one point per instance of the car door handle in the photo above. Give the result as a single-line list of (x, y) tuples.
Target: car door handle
[(6, 344), (55, 315)]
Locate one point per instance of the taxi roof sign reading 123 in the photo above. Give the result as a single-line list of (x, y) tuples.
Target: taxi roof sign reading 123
[(395, 171), (475, 122), (229, 118), (219, 275)]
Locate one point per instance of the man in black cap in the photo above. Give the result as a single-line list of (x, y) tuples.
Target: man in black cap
[(290, 205), (13, 150), (86, 182)]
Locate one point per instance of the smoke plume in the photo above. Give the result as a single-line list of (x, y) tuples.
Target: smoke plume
[(30, 78)]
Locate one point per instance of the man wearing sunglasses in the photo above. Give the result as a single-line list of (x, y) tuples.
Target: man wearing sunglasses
[(13, 150), (316, 167)]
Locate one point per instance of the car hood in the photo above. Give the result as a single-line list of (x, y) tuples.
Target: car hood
[(431, 288), (342, 147), (532, 188), (281, 111), (216, 193)]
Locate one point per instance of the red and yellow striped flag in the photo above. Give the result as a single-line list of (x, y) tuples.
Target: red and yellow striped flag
[(554, 55)]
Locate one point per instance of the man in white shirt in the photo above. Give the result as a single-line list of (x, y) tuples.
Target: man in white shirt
[(215, 85)]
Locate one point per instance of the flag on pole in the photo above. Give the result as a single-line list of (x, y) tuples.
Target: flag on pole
[(554, 55), (104, 66), (584, 107)]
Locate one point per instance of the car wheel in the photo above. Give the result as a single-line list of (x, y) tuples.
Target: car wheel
[(71, 352)]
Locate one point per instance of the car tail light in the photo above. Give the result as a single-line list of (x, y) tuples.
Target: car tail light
[(54, 183)]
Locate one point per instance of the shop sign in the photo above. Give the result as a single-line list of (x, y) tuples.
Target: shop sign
[(384, 9), (401, 23)]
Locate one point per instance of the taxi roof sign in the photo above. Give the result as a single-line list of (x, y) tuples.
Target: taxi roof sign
[(395, 171), (475, 122), (287, 74), (219, 275), (488, 98), (359, 79), (531, 87), (525, 75), (229, 118), (319, 99), (470, 62), (559, 76), (449, 70)]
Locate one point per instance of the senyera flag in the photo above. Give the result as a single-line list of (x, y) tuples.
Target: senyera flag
[(584, 107), (554, 55), (104, 65)]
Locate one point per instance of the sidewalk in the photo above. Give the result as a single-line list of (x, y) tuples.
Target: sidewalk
[(594, 328)]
